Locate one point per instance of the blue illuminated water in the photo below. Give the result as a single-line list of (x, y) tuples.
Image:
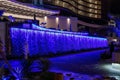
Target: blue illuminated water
[(43, 42), (82, 64)]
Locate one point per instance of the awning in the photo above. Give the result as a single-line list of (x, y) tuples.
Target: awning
[(17, 8)]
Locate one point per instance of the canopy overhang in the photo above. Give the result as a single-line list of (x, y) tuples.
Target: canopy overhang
[(14, 8)]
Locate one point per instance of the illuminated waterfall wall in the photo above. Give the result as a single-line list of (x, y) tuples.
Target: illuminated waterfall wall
[(117, 28), (50, 42)]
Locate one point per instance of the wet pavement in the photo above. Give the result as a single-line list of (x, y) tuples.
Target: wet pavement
[(84, 63)]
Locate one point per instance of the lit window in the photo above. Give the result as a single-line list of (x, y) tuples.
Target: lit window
[(95, 16), (90, 5), (96, 11), (90, 15), (63, 4), (96, 7), (90, 10), (90, 0), (96, 2), (57, 2)]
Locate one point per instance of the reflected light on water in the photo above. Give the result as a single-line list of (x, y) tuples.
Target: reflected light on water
[(115, 68)]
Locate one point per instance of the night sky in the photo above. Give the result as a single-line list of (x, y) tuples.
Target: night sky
[(115, 7)]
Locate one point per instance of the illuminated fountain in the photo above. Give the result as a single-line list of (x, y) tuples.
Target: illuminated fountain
[(41, 41)]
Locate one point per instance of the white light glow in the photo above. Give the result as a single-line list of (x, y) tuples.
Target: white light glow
[(112, 68), (19, 16), (57, 20), (45, 19), (116, 65), (114, 40), (68, 20)]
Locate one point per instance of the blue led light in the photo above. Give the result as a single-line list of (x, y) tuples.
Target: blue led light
[(57, 31), (46, 42), (117, 28)]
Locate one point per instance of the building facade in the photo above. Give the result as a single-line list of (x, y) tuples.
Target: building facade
[(88, 8), (90, 11), (32, 1)]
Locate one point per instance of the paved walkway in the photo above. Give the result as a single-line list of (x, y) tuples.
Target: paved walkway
[(86, 63)]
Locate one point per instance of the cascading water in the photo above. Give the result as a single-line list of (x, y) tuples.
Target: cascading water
[(43, 42)]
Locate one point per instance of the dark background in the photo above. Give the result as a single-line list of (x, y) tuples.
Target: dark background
[(115, 7)]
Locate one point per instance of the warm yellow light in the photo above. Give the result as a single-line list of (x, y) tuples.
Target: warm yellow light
[(96, 11), (57, 20), (45, 19), (96, 7), (96, 16), (90, 5), (19, 16), (96, 2), (68, 20), (90, 0), (18, 7), (90, 15), (90, 10)]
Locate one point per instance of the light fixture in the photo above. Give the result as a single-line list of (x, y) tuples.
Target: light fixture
[(115, 40), (68, 20), (116, 66), (45, 18), (57, 20)]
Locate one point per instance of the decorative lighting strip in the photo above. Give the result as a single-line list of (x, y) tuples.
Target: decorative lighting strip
[(18, 16), (57, 31), (43, 42)]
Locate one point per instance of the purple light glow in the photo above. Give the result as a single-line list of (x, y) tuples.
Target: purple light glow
[(45, 42), (57, 31)]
